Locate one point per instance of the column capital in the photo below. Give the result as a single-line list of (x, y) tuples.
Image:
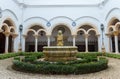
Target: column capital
[(1, 30), (74, 36), (86, 35), (115, 33), (6, 33), (98, 35), (14, 35), (108, 34), (118, 31), (24, 36), (36, 36), (48, 35)]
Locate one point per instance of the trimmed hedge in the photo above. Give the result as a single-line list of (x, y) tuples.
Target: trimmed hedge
[(53, 68), (111, 55), (17, 58), (29, 58), (9, 55)]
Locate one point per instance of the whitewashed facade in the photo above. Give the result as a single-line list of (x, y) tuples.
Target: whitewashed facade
[(80, 21)]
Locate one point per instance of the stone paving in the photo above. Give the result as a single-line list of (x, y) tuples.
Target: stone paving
[(113, 72)]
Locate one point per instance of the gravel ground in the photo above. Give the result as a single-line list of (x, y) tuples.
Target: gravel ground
[(113, 72)]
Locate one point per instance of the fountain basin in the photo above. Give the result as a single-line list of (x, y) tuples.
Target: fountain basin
[(60, 53)]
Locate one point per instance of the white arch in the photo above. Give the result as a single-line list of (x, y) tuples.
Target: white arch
[(81, 30), (88, 20), (64, 24), (10, 11), (92, 29), (41, 30), (31, 25), (12, 28), (32, 30), (110, 12), (7, 14), (117, 25), (111, 15), (112, 26), (7, 29), (63, 17)]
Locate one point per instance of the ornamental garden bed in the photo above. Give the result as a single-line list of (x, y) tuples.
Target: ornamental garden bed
[(89, 63)]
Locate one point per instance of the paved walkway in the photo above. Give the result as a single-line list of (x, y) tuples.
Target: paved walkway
[(113, 72)]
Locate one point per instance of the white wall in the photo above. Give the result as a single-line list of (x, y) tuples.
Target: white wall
[(65, 12)]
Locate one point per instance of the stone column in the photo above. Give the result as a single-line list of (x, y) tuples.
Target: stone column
[(36, 43), (74, 36), (48, 42), (86, 42), (116, 41), (13, 41), (111, 45), (1, 30), (6, 41), (98, 37), (109, 42), (24, 37)]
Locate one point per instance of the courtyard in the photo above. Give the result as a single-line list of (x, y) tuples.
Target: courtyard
[(112, 72)]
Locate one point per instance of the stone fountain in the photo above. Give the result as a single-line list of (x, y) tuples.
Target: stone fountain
[(60, 52)]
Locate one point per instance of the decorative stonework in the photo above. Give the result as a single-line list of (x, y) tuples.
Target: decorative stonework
[(6, 33), (116, 33), (14, 35), (108, 34), (24, 36), (86, 35), (60, 53), (36, 36)]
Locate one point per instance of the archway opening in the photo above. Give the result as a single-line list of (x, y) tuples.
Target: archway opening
[(114, 21), (87, 41), (2, 43), (112, 40), (119, 38), (66, 33), (42, 40), (37, 32), (113, 43), (36, 27), (9, 29), (30, 42), (80, 41), (10, 47), (92, 42), (8, 22)]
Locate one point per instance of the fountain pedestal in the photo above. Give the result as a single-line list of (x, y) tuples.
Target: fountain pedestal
[(60, 53)]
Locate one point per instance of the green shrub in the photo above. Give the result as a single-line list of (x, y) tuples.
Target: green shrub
[(113, 55), (17, 58), (88, 55), (29, 58), (61, 68), (36, 54), (9, 55)]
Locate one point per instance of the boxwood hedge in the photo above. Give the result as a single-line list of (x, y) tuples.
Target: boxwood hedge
[(61, 68)]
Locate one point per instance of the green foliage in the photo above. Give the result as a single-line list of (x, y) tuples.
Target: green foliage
[(76, 67), (88, 55), (30, 58), (113, 55), (9, 55), (17, 58)]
